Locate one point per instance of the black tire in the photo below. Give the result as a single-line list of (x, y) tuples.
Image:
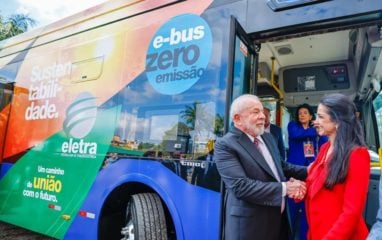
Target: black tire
[(145, 218)]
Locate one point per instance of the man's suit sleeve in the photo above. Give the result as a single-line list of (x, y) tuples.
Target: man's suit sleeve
[(236, 180), (294, 171)]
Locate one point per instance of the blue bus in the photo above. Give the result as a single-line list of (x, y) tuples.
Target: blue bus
[(108, 118)]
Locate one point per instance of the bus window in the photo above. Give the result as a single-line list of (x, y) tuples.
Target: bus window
[(241, 78), (243, 62), (5, 95)]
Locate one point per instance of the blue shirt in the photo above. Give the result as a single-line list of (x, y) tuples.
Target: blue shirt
[(300, 137)]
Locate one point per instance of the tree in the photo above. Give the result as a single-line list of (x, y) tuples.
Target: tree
[(14, 25), (219, 125), (189, 114)]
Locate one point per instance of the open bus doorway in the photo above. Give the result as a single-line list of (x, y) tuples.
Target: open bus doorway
[(301, 68)]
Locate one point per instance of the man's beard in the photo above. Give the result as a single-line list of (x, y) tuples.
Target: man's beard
[(259, 131), (253, 129)]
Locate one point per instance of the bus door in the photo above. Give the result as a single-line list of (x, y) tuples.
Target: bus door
[(6, 92), (241, 79), (242, 66)]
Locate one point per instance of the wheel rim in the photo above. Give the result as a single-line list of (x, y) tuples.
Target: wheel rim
[(128, 231)]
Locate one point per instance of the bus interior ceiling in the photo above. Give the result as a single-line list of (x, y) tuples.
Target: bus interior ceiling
[(360, 47)]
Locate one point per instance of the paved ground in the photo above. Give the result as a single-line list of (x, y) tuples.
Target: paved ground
[(10, 232)]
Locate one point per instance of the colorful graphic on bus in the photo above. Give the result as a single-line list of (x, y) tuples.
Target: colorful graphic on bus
[(44, 183)]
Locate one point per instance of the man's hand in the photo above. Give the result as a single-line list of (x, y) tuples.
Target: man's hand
[(296, 189)]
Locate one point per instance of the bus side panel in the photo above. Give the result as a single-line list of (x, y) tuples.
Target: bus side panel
[(56, 122), (41, 191), (56, 72)]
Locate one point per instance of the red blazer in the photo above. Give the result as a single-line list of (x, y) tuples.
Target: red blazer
[(337, 213)]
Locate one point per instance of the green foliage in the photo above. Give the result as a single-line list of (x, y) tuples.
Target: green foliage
[(189, 114), (145, 146), (14, 25), (219, 125)]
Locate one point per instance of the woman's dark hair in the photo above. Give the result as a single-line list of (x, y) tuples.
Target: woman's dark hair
[(342, 111), (306, 106)]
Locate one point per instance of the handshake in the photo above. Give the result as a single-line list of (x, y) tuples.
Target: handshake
[(296, 189)]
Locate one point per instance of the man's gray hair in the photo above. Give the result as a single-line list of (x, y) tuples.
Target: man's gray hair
[(241, 103)]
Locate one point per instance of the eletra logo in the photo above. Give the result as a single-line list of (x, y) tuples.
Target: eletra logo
[(80, 120), (81, 116), (178, 54)]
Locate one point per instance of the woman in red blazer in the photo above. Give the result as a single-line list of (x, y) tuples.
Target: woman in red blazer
[(338, 180)]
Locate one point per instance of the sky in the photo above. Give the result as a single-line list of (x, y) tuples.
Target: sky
[(45, 11)]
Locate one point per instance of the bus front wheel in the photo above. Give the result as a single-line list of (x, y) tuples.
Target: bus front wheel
[(145, 218)]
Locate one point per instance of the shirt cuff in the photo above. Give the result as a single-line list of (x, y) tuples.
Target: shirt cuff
[(284, 188)]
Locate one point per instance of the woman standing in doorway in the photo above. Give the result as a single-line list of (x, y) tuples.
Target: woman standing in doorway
[(338, 179)]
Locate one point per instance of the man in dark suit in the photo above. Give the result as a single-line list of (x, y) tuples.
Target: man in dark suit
[(208, 176), (254, 176), (275, 131)]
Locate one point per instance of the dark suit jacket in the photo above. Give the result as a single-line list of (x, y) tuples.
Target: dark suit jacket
[(253, 195), (277, 133)]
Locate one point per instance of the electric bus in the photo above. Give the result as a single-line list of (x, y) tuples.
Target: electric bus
[(108, 118)]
